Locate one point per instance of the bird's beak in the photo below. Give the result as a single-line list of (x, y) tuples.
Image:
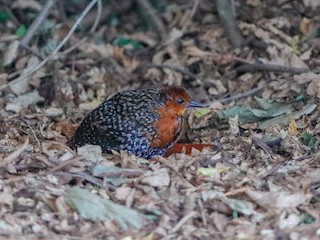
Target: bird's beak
[(194, 104)]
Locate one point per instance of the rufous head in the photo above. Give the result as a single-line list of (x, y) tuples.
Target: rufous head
[(178, 99)]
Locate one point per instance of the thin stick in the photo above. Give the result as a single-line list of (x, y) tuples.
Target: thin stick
[(98, 17), (48, 58), (258, 142), (64, 164), (227, 17), (183, 221), (242, 95), (37, 22), (272, 170), (203, 214), (192, 13), (35, 135), (259, 67)]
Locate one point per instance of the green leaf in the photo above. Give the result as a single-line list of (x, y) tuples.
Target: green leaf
[(201, 112), (4, 16), (96, 208), (235, 214), (285, 119), (152, 214), (306, 218), (318, 33), (159, 5), (240, 206), (101, 171), (113, 20), (46, 27), (273, 109), (245, 114), (127, 42), (309, 140), (21, 30), (50, 46), (300, 97)]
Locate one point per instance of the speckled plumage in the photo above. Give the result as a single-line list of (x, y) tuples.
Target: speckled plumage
[(128, 121)]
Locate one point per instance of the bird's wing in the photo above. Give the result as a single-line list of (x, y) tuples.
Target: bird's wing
[(99, 128)]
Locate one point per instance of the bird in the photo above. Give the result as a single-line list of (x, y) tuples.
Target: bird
[(144, 122)]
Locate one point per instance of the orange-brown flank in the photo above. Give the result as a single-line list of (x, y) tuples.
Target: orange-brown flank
[(171, 117)]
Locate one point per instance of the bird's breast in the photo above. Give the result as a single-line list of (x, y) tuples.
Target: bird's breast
[(168, 128)]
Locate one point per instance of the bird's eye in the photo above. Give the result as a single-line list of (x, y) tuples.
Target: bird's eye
[(180, 101)]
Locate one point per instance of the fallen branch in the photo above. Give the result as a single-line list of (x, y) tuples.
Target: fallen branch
[(241, 95), (227, 16), (262, 67), (258, 142), (64, 164), (191, 15)]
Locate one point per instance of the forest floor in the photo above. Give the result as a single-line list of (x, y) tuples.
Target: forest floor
[(258, 76)]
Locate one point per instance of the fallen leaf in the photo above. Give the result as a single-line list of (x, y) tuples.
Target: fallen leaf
[(159, 178), (92, 153), (23, 101), (23, 85), (210, 171), (11, 53), (96, 208), (279, 199), (285, 119), (293, 128)]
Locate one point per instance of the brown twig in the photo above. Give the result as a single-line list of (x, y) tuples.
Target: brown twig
[(150, 13), (258, 142), (241, 95), (259, 67), (269, 172), (98, 17), (64, 164), (305, 157), (182, 222), (227, 16), (21, 167), (86, 177), (192, 13), (131, 173), (237, 191), (37, 22), (202, 211), (34, 134)]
